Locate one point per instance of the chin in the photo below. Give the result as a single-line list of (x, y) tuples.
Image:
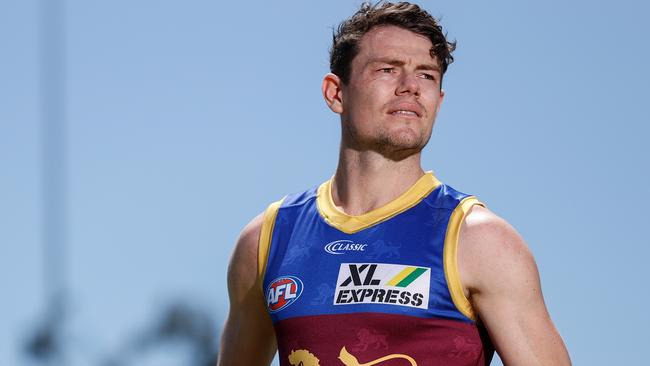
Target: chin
[(405, 137), (401, 146)]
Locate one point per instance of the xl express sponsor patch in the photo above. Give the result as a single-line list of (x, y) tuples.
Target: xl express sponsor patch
[(381, 283)]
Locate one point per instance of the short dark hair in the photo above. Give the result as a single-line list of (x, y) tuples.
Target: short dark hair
[(345, 43)]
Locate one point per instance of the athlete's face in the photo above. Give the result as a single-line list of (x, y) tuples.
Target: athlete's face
[(393, 95)]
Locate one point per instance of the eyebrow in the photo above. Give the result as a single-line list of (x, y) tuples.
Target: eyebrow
[(396, 62)]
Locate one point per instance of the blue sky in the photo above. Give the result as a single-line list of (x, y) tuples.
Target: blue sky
[(185, 119)]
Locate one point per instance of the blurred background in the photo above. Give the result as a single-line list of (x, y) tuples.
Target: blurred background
[(137, 138)]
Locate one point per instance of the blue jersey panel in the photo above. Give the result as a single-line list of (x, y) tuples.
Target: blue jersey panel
[(394, 266)]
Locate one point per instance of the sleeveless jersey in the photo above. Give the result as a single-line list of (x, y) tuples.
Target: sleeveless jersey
[(379, 288)]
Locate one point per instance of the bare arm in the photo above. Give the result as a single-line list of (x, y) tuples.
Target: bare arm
[(248, 337), (502, 282)]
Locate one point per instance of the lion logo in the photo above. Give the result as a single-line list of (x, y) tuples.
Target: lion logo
[(381, 249), (350, 360), (303, 357), (465, 348), (369, 338), (297, 252), (325, 292)]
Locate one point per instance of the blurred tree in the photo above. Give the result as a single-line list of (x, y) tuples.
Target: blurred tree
[(179, 324)]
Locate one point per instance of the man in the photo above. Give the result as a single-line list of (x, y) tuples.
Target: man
[(383, 264)]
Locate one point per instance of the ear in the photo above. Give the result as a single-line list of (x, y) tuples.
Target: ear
[(333, 93), (442, 98)]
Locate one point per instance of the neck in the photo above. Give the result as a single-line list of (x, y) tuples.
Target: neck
[(366, 180)]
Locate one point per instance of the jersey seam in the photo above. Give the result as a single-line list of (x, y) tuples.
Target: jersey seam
[(450, 259)]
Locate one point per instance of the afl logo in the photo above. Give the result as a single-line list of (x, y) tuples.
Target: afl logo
[(339, 246), (282, 292)]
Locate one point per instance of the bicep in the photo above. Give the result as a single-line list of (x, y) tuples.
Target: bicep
[(505, 290), (514, 313), (248, 337)]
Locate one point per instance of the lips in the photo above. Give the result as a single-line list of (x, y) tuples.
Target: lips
[(405, 113), (405, 109)]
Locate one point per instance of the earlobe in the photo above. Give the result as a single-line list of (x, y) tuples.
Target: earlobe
[(332, 92), (442, 98)]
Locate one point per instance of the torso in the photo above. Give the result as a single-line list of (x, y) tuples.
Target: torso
[(380, 288)]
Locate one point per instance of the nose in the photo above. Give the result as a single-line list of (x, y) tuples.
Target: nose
[(408, 84)]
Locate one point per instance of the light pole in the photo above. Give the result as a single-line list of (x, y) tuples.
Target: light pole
[(47, 344)]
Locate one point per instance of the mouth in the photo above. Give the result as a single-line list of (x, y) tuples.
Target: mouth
[(406, 113), (406, 109)]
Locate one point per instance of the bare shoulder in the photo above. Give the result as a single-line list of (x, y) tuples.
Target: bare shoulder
[(248, 326), (242, 269), (501, 280), (492, 254)]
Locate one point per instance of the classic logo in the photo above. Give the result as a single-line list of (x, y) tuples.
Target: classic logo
[(282, 292), (339, 246), (380, 283)]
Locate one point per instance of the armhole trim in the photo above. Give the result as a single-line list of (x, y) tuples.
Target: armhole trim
[(266, 233), (450, 256)]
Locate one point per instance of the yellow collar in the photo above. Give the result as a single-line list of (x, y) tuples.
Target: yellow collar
[(351, 224)]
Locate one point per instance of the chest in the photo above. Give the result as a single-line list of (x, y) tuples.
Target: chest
[(394, 266)]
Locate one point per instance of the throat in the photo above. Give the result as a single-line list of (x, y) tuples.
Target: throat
[(357, 195)]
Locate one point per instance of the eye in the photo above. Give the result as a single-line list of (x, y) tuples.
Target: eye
[(428, 76), (387, 70)]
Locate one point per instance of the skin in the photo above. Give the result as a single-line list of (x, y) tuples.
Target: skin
[(248, 337), (501, 280), (394, 72)]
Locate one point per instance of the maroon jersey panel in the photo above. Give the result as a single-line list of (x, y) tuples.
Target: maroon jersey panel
[(380, 339)]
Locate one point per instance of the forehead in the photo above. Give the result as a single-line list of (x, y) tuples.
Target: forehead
[(395, 42)]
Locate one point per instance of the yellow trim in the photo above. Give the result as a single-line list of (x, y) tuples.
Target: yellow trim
[(400, 276), (450, 256), (351, 224), (266, 233)]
